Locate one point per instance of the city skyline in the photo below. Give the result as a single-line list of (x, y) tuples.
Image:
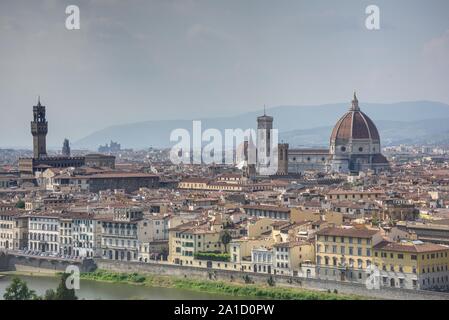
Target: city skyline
[(224, 150)]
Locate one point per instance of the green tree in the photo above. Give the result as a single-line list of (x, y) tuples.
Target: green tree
[(271, 281), (18, 290), (20, 204), (50, 294), (62, 292), (225, 239)]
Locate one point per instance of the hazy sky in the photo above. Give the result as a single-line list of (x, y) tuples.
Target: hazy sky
[(164, 59)]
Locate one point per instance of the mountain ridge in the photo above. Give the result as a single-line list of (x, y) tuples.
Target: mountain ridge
[(156, 133)]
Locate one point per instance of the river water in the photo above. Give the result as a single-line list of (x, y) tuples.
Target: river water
[(94, 290)]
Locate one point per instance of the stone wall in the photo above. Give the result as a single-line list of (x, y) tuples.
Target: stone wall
[(282, 281), (43, 265), (3, 262), (34, 264)]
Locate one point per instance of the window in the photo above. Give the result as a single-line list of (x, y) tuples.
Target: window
[(360, 263), (360, 149), (400, 256), (414, 257)]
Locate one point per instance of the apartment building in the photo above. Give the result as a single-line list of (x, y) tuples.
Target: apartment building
[(412, 265), (271, 212), (345, 253), (44, 235), (86, 234), (119, 234), (189, 239), (289, 256), (7, 223)]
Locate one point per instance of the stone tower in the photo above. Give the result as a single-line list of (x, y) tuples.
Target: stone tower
[(264, 129), (282, 159), (39, 129), (66, 148)]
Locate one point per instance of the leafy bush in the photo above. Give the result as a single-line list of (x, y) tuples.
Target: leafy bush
[(271, 281), (102, 275), (213, 256)]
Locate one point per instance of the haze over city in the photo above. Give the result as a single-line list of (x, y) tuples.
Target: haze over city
[(151, 60), (181, 150)]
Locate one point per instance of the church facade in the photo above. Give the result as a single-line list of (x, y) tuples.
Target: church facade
[(354, 147)]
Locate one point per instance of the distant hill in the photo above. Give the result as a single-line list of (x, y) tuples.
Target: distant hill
[(298, 125)]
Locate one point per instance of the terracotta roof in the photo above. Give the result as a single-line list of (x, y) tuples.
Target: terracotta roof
[(355, 125), (271, 208), (195, 180), (290, 244), (348, 232), (410, 247)]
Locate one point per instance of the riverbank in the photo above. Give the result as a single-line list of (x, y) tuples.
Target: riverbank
[(101, 290), (40, 273), (216, 287)]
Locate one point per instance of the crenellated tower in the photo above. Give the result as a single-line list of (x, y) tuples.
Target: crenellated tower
[(39, 130)]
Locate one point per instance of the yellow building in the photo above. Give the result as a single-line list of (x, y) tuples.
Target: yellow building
[(354, 195), (345, 253), (189, 239), (7, 222), (289, 256), (330, 217), (412, 265), (257, 228), (194, 183)]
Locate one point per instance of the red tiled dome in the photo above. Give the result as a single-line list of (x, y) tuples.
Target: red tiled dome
[(355, 125)]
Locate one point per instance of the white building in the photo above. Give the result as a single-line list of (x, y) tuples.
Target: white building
[(262, 260)]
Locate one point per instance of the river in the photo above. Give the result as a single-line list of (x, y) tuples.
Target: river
[(94, 290)]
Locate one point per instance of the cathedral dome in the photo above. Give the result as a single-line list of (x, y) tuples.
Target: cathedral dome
[(354, 125)]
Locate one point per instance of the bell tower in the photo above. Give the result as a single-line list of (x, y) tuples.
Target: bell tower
[(39, 129), (264, 130)]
